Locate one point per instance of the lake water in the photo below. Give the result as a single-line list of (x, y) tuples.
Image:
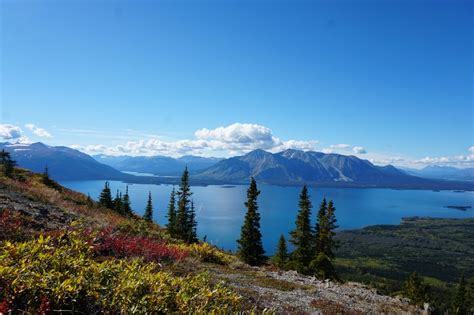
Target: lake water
[(220, 209)]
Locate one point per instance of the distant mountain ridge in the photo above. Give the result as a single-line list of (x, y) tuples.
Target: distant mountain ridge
[(63, 163), (294, 167), (443, 172), (157, 165)]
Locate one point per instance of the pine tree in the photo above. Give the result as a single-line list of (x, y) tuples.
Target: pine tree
[(250, 248), (281, 257), (415, 289), (126, 208), (321, 227), (148, 216), (172, 214), (459, 303), (322, 265), (105, 198), (46, 180), (331, 220), (7, 162), (192, 225), (89, 201), (182, 214), (118, 206), (302, 236)]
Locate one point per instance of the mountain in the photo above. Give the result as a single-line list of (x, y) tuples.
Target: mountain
[(157, 165), (63, 163), (294, 167), (444, 172)]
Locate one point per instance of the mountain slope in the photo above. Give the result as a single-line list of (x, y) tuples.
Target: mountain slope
[(293, 167), (63, 163), (157, 165)]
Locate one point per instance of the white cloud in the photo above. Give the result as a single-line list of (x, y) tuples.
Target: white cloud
[(9, 132), (344, 148), (40, 132), (234, 139), (463, 160), (359, 150)]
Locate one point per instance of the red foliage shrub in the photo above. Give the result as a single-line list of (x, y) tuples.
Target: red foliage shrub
[(10, 225), (44, 307), (120, 246), (4, 307)]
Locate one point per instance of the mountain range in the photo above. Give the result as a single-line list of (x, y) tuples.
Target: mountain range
[(63, 163), (294, 167), (289, 167), (157, 165), (443, 172)]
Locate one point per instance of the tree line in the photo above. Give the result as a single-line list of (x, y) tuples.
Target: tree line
[(313, 246)]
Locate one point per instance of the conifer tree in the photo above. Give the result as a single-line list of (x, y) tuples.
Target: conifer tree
[(250, 248), (302, 236), (281, 257), (182, 214), (45, 179), (105, 198), (321, 227), (148, 216), (172, 214), (7, 162), (192, 225), (322, 265), (415, 289), (126, 208), (459, 303), (330, 244), (89, 201), (118, 207)]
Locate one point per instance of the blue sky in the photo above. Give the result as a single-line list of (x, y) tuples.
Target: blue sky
[(391, 81)]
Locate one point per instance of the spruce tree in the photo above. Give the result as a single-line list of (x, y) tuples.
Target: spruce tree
[(89, 201), (148, 216), (7, 162), (172, 214), (302, 236), (281, 257), (182, 214), (321, 227), (126, 208), (250, 248), (192, 225), (118, 207), (331, 221), (459, 303), (322, 265), (105, 198), (415, 289)]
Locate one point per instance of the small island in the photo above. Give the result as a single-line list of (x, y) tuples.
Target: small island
[(462, 208)]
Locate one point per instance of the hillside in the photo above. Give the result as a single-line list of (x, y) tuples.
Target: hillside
[(444, 172), (86, 258), (63, 163), (441, 250), (294, 167)]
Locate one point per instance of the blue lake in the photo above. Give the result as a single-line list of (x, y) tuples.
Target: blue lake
[(220, 209)]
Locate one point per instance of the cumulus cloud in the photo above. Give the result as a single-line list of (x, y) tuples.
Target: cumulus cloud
[(234, 139), (9, 132), (463, 160), (344, 148), (40, 132), (359, 150)]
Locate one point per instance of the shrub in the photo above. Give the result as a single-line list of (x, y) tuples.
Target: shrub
[(51, 273), (121, 246), (11, 226), (207, 253)]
